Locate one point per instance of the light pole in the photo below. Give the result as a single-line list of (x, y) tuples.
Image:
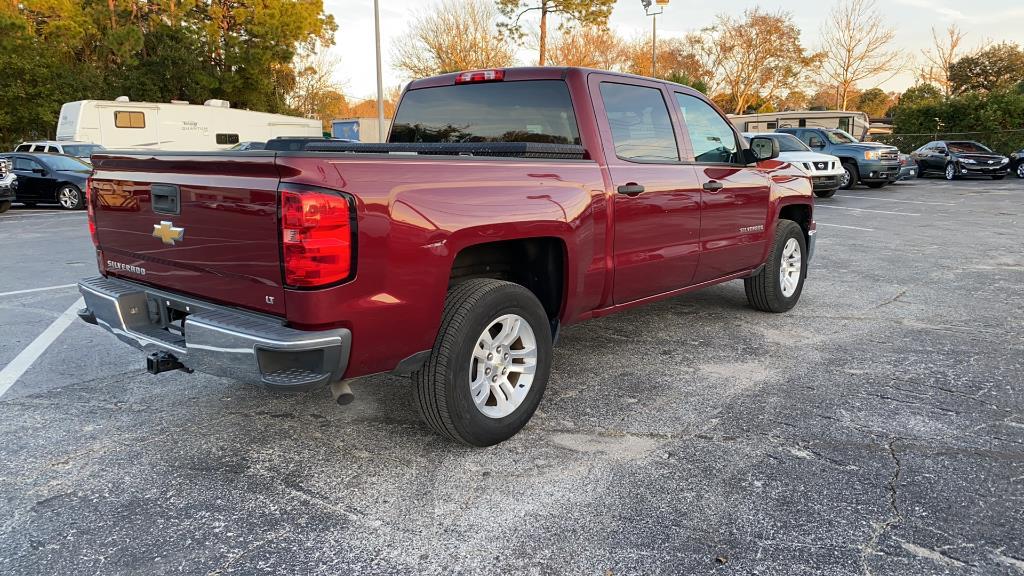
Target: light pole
[(380, 74), (654, 29)]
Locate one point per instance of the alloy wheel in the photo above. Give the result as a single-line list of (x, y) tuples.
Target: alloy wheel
[(950, 172), (789, 272), (503, 365), (68, 197), (1020, 170)]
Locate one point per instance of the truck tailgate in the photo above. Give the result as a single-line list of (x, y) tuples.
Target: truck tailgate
[(205, 225)]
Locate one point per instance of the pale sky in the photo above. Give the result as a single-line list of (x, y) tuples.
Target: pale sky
[(982, 20)]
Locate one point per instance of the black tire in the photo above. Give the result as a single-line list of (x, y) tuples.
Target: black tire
[(764, 289), (950, 174), (442, 384), (1019, 170), (5, 206), (876, 185), (77, 198), (853, 175), (825, 193)]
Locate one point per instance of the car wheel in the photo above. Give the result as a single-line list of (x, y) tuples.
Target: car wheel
[(5, 206), (70, 197), (1020, 170), (825, 193), (777, 287), (950, 171), (489, 365), (876, 184), (850, 176)]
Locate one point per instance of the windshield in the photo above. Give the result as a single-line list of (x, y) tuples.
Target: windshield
[(528, 111), (968, 148), (840, 137), (81, 150), (66, 163)]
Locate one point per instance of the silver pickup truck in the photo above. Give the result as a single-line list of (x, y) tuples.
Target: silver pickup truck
[(7, 185)]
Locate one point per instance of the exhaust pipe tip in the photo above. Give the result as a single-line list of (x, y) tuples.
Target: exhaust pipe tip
[(342, 393)]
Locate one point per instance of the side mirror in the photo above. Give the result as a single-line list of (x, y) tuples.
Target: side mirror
[(764, 148)]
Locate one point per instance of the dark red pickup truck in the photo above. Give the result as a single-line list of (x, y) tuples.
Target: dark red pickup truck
[(507, 203)]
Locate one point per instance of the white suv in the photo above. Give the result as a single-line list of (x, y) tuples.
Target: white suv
[(80, 150), (825, 170)]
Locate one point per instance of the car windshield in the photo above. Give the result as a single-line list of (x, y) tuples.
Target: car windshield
[(840, 137), (968, 148), (81, 150), (66, 163)]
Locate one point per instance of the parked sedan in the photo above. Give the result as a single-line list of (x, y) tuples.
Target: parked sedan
[(7, 184), (908, 168), (1017, 163), (956, 159), (46, 178)]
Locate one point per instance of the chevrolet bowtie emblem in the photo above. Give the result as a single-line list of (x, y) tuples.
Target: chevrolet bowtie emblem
[(167, 233)]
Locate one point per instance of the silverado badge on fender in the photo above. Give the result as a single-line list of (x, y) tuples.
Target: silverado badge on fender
[(167, 233)]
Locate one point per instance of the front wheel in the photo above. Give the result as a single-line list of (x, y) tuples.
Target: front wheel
[(825, 193), (950, 172), (70, 197), (5, 206), (777, 287), (1020, 170), (850, 176), (489, 365)]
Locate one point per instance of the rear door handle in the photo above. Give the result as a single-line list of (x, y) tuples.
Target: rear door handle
[(631, 189), (713, 186)]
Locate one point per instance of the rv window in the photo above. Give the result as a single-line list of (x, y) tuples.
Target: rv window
[(124, 119), (227, 138), (773, 125)]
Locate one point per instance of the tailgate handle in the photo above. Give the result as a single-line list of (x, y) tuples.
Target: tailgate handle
[(166, 199)]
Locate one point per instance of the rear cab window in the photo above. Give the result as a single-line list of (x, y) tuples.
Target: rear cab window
[(538, 111)]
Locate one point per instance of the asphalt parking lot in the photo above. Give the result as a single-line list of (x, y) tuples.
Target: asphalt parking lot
[(876, 429)]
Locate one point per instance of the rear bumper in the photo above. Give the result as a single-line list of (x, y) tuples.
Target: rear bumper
[(216, 339)]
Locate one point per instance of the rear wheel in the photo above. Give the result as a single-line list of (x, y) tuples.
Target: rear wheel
[(489, 365), (825, 193), (777, 287), (70, 197), (950, 171), (850, 176), (5, 206)]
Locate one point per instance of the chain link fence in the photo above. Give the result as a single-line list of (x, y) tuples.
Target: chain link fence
[(1002, 141)]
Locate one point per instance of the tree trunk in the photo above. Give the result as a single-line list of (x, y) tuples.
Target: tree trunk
[(541, 61)]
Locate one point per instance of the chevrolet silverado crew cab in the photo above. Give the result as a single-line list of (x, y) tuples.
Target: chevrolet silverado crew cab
[(505, 205), (869, 163)]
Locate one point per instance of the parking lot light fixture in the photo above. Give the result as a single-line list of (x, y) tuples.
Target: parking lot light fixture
[(652, 8)]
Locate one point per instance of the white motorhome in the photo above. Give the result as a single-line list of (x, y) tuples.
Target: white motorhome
[(856, 123), (121, 124)]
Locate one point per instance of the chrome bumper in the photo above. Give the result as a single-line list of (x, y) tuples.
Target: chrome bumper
[(216, 339)]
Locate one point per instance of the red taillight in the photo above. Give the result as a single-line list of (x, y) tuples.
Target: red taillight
[(316, 238), (480, 76), (91, 213)]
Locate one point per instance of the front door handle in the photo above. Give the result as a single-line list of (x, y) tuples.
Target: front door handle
[(713, 186), (631, 189)]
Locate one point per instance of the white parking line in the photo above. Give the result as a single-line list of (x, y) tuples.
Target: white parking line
[(850, 227), (816, 205), (895, 200), (38, 289), (11, 215), (23, 361)]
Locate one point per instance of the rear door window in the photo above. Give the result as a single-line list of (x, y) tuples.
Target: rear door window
[(529, 111), (640, 123)]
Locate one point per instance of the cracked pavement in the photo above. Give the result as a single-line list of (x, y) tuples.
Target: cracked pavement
[(876, 429)]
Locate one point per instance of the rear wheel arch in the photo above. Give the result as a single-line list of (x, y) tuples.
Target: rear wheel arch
[(539, 264)]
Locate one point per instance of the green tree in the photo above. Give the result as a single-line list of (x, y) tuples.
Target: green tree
[(874, 102), (995, 67), (570, 12)]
